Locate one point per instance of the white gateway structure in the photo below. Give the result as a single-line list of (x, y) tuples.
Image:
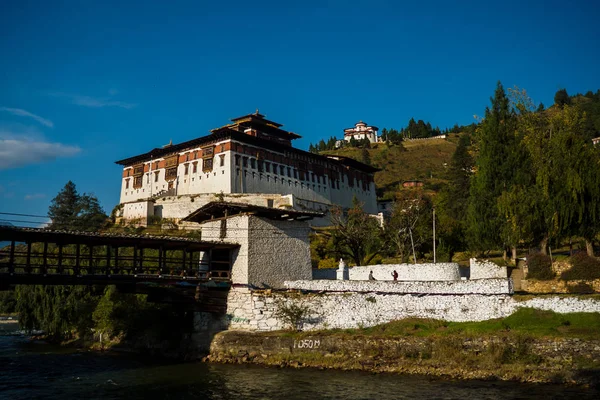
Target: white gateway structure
[(248, 161)]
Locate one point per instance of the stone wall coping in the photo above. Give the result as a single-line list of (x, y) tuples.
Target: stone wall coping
[(481, 286)]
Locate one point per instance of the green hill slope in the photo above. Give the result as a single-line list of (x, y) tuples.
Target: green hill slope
[(424, 160)]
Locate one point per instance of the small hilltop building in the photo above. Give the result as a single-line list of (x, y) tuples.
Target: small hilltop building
[(250, 160), (362, 131)]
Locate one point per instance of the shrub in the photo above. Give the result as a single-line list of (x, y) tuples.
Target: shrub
[(583, 267), (540, 267), (328, 263), (293, 313), (581, 288)]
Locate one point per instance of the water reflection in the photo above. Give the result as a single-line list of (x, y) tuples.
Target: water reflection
[(34, 370)]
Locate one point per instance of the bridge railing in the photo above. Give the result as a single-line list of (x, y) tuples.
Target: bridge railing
[(79, 261)]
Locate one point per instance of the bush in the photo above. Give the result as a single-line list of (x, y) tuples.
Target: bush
[(328, 263), (540, 267), (581, 288), (293, 313), (583, 267)]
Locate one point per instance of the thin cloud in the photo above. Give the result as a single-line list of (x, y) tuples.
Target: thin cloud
[(34, 196), (18, 150), (95, 102), (24, 113)]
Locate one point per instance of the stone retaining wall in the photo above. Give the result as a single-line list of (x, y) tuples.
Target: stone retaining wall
[(258, 310)]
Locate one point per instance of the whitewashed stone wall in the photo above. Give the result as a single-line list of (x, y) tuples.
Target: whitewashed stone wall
[(139, 210), (562, 304), (406, 272), (270, 252), (480, 286), (256, 311), (486, 269)]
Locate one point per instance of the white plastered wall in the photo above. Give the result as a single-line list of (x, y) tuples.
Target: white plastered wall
[(270, 252)]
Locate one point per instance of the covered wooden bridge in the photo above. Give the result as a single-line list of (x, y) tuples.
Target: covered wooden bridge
[(47, 257)]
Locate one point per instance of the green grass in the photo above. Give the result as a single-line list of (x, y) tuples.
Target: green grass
[(525, 322), (423, 160)]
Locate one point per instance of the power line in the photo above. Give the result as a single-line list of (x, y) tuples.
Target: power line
[(26, 222), (24, 215)]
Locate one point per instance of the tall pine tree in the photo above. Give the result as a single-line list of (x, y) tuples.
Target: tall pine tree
[(495, 170), (71, 211)]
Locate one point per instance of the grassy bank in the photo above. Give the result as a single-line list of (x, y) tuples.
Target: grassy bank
[(529, 346)]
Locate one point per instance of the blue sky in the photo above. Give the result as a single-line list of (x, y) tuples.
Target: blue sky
[(85, 83)]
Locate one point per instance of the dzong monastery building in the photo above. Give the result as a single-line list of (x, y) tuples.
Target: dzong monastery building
[(250, 160)]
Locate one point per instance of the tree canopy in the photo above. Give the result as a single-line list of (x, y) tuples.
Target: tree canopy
[(72, 211)]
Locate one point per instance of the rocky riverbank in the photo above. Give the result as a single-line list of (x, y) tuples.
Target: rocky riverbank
[(494, 357)]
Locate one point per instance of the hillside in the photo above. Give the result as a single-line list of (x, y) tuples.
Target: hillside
[(424, 160)]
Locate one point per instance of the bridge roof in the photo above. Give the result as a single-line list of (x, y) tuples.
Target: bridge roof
[(33, 235), (223, 209)]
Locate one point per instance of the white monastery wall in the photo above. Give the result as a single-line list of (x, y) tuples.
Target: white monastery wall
[(406, 272), (278, 251), (140, 209), (479, 286), (256, 310), (315, 192), (486, 269), (270, 252)]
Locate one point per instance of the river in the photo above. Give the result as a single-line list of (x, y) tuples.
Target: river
[(36, 370)]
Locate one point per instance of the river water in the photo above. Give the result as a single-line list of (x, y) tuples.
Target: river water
[(33, 370)]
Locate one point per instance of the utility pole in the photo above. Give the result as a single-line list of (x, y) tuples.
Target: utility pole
[(434, 235), (413, 245)]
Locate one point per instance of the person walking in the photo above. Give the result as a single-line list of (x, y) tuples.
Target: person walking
[(395, 275)]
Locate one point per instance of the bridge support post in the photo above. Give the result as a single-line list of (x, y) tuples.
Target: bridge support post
[(135, 260), (107, 271), (60, 259), (45, 259), (77, 255), (160, 260), (28, 259), (116, 271), (11, 258), (90, 269), (191, 266), (141, 259)]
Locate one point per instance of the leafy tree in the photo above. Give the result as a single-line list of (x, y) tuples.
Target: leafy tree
[(453, 199), (411, 216), (64, 208), (355, 234), (60, 311), (561, 97), (8, 302), (365, 158), (495, 168), (566, 170), (70, 210)]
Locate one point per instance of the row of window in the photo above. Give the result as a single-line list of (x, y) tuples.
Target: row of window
[(283, 170), (171, 173)]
